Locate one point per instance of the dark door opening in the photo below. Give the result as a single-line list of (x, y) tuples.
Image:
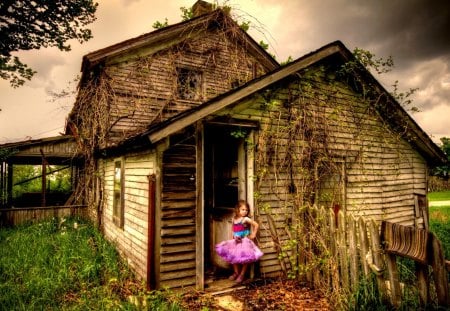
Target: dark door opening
[(224, 172)]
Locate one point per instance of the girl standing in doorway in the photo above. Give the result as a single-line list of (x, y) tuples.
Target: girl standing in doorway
[(241, 250)]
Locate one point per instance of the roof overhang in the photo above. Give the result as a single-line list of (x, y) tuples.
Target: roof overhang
[(417, 137)]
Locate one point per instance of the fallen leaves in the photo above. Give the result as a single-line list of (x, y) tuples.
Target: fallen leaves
[(285, 295)]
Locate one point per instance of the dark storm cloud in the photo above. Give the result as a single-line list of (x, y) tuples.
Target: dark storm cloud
[(409, 30), (416, 33), (413, 29)]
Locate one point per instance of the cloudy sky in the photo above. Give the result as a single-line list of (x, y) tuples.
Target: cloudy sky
[(416, 33)]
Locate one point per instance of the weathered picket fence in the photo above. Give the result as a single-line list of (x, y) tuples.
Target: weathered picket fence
[(363, 248), (16, 216)]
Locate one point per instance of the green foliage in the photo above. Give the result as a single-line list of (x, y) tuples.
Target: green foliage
[(367, 297), (370, 61), (239, 133), (287, 61), (264, 45), (245, 25), (28, 25), (444, 170), (186, 13), (404, 98), (67, 265), (159, 25), (28, 179), (5, 153), (439, 196), (379, 65), (440, 226)]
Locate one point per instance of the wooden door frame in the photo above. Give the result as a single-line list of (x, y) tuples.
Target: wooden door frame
[(248, 189)]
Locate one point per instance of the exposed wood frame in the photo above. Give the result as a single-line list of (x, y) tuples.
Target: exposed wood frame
[(160, 148), (200, 210), (250, 157)]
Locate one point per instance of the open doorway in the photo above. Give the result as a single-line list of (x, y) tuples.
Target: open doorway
[(225, 173)]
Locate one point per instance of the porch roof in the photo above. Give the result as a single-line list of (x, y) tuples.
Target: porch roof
[(55, 149)]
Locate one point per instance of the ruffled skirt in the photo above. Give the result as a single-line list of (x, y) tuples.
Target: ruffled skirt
[(239, 251)]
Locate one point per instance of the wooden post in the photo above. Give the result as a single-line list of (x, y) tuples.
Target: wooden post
[(377, 255), (342, 249), (333, 247), (394, 280), (423, 283), (439, 271), (353, 253), (363, 245), (9, 185)]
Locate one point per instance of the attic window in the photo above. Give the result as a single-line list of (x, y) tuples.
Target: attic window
[(189, 84)]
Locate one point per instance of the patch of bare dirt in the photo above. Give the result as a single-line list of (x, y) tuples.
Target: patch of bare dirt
[(276, 295)]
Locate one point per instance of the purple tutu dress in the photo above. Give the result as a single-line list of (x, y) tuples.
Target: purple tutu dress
[(240, 249)]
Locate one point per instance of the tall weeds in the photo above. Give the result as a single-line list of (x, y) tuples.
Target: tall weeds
[(64, 265)]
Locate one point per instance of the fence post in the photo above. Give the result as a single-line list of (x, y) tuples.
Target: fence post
[(342, 249), (334, 273), (423, 283), (377, 255), (353, 252), (395, 292), (364, 245), (439, 271)]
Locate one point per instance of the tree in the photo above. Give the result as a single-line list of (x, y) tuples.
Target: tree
[(28, 25), (444, 170)]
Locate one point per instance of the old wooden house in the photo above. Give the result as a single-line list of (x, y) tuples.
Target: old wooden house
[(178, 124)]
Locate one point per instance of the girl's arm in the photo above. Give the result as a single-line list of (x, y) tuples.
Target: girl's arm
[(254, 226)]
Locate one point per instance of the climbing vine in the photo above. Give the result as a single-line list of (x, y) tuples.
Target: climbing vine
[(122, 100), (314, 130)]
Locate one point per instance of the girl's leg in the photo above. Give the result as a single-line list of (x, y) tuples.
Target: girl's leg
[(241, 276), (236, 272)]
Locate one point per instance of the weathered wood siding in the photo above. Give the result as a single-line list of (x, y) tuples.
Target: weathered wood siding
[(382, 171), (132, 240), (144, 89), (178, 208)]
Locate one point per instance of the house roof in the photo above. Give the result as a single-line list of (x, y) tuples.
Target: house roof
[(178, 32), (33, 142), (392, 111), (55, 149), (165, 37)]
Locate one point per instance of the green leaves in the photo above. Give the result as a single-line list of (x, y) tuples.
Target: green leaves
[(28, 25)]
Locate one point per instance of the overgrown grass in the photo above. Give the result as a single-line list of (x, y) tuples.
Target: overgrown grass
[(67, 266), (439, 196), (440, 226)]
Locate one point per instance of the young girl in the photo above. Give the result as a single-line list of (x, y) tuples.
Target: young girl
[(240, 251)]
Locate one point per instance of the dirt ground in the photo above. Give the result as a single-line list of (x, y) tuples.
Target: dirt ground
[(274, 295)]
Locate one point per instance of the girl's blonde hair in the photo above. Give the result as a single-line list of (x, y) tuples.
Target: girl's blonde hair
[(238, 205)]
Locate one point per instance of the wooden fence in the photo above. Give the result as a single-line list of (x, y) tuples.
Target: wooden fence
[(362, 248), (17, 216)]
